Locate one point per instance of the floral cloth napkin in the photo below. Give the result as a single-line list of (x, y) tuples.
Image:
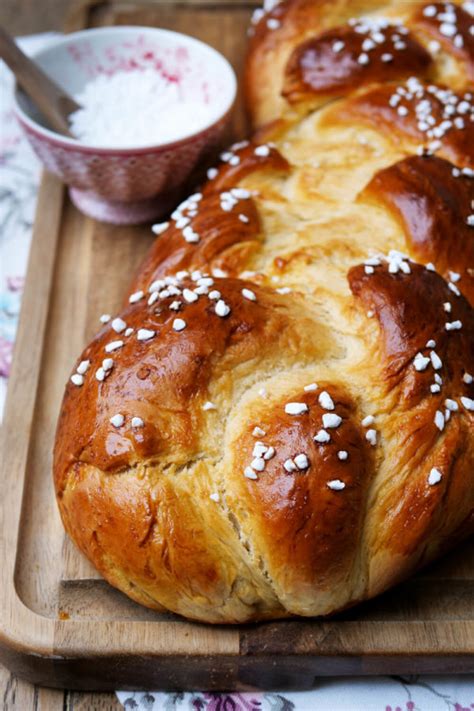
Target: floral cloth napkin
[(19, 179), (338, 694)]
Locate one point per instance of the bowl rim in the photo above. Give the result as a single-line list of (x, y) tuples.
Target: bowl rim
[(57, 139)]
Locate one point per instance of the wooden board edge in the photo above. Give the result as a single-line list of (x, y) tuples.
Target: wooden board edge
[(322, 639), (18, 418), (189, 672)]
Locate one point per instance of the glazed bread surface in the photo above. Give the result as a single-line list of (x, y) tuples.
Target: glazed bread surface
[(280, 420)]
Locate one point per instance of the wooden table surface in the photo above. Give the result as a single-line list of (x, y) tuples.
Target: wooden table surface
[(24, 17)]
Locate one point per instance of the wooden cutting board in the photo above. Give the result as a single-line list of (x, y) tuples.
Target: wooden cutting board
[(60, 623)]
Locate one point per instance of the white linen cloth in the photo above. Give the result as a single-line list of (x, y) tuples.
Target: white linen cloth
[(19, 179)]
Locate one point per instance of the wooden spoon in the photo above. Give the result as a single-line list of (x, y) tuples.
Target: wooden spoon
[(53, 102)]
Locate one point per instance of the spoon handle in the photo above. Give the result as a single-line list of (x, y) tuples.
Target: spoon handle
[(53, 102)]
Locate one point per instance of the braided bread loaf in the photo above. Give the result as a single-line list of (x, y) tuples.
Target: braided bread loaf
[(281, 420)]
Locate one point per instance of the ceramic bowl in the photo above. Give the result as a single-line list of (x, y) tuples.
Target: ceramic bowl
[(132, 184)]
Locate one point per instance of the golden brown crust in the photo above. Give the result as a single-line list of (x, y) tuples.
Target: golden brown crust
[(410, 309), (280, 421), (436, 23), (243, 159), (271, 45), (300, 31), (315, 68), (193, 574), (400, 120), (296, 515), (409, 519), (431, 198), (227, 237), (223, 236), (163, 379)]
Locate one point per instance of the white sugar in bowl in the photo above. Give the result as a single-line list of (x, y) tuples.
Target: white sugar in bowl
[(153, 102)]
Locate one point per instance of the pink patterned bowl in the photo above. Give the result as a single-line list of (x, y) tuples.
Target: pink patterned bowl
[(129, 185)]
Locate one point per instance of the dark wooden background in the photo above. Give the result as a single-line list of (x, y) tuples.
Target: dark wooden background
[(24, 17)]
